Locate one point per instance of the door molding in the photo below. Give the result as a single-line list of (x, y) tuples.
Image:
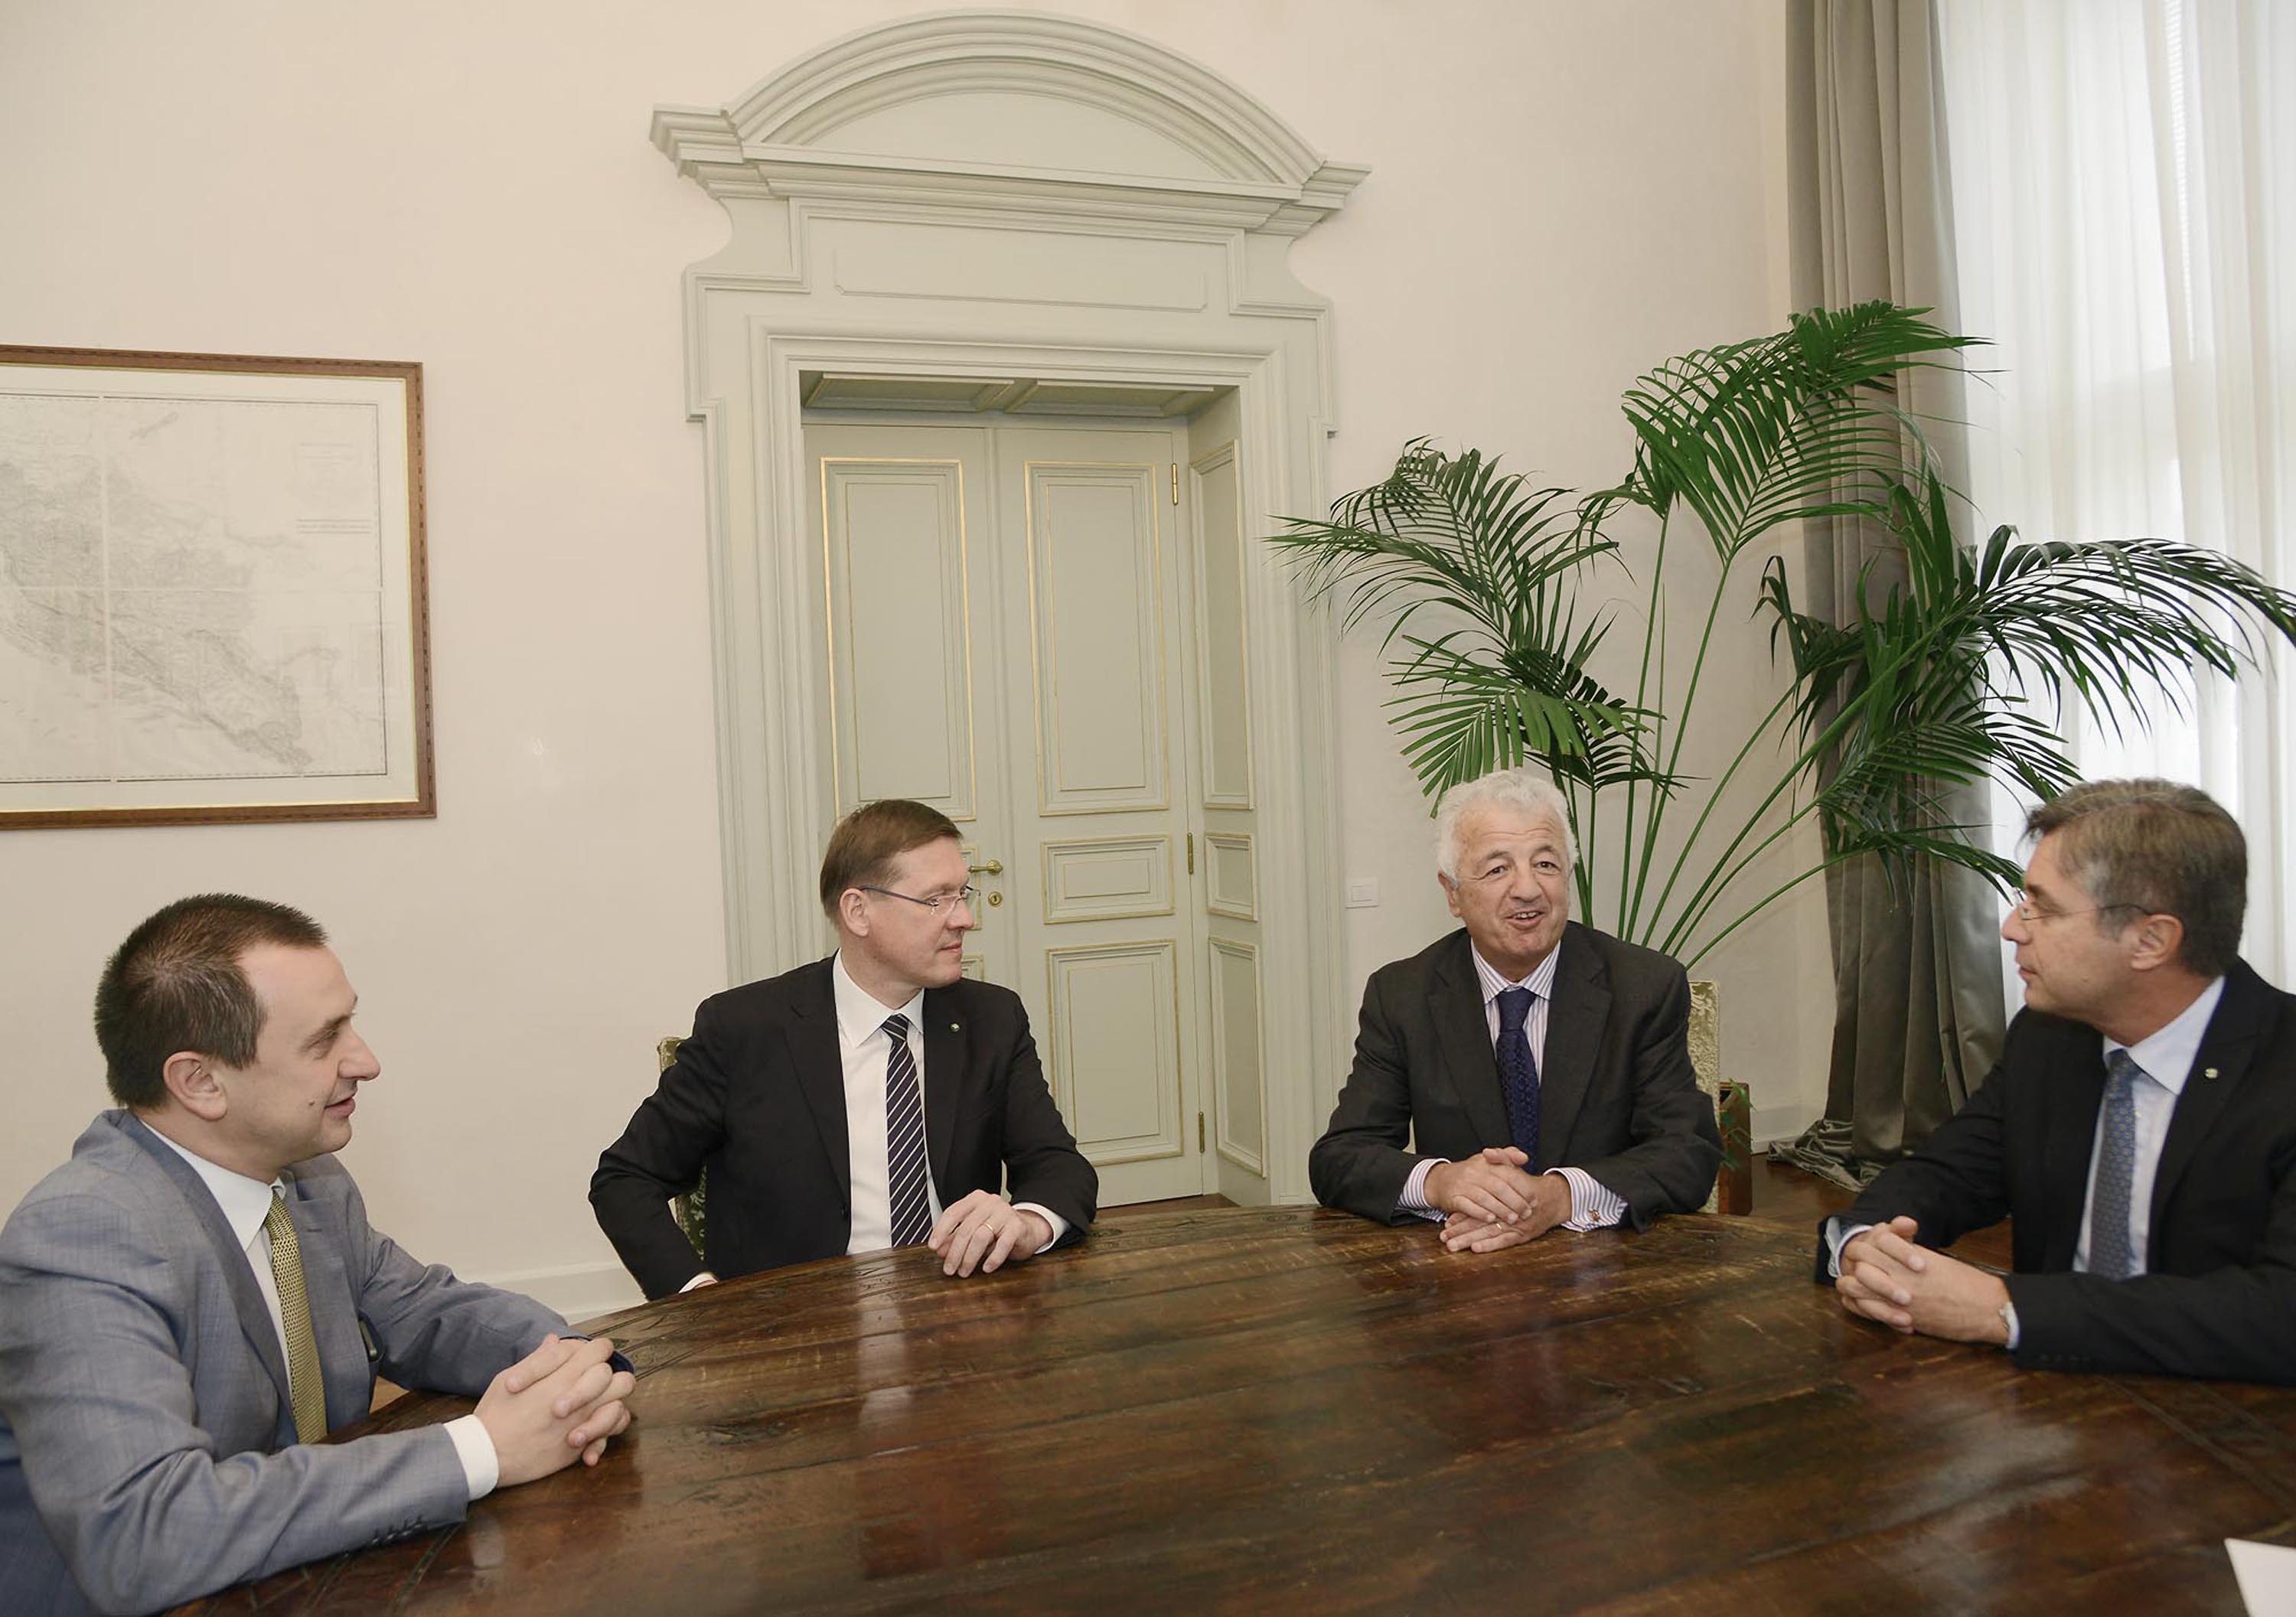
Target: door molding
[(888, 221)]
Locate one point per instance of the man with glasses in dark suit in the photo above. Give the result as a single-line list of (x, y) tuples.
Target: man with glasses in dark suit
[(875, 1099), (2139, 1130)]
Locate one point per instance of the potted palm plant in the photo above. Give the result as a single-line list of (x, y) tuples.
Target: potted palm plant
[(1497, 598)]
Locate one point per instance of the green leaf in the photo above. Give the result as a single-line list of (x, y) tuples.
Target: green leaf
[(1490, 595), (1458, 539)]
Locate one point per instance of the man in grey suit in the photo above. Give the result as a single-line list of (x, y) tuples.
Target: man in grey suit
[(1525, 1071), (196, 1298)]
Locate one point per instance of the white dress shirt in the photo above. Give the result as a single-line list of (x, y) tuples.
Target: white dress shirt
[(863, 1049), (245, 1204), (2167, 1058), (1593, 1205)]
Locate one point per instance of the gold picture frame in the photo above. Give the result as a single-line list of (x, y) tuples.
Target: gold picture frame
[(214, 604)]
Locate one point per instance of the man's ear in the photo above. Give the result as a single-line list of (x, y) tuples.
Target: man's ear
[(853, 911), (192, 1080), (2159, 941), (1450, 892)]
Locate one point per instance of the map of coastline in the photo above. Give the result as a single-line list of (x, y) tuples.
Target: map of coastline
[(190, 589)]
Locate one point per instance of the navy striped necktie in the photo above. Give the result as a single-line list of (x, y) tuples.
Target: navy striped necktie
[(905, 1138)]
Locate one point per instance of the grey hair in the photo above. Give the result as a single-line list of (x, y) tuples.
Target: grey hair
[(2159, 847), (1524, 788)]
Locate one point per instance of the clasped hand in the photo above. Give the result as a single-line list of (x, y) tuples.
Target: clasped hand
[(1886, 1277), (983, 1230), (560, 1401), (1493, 1202)]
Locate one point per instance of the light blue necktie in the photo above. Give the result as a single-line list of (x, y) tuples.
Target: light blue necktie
[(2108, 1250)]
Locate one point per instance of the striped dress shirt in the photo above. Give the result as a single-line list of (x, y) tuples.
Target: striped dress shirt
[(1592, 1206)]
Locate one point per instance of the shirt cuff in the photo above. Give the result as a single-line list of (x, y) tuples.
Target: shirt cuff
[(481, 1469), (1060, 1224), (2009, 1318), (1413, 1199), (1838, 1235), (703, 1278), (1592, 1206)]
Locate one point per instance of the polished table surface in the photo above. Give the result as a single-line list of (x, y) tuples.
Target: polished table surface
[(1281, 1409)]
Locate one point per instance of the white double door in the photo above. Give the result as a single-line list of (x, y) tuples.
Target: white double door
[(1014, 628)]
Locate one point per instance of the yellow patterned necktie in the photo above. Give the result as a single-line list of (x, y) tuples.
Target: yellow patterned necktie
[(303, 1383)]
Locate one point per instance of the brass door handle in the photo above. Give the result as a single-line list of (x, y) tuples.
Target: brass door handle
[(995, 867)]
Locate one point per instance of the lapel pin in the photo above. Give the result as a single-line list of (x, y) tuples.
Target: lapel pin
[(953, 1029), (2208, 1072)]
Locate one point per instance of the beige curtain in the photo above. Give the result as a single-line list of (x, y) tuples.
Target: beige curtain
[(1916, 969)]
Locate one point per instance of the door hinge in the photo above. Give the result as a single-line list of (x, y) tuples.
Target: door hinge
[(1192, 853), (1199, 1133), (1176, 482)]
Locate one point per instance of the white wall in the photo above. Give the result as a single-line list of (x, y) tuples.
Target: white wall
[(1561, 194)]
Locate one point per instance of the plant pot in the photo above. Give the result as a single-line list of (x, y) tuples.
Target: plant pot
[(1733, 1106)]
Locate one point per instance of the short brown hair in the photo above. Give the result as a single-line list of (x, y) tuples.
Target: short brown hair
[(176, 984), (2158, 846), (866, 842)]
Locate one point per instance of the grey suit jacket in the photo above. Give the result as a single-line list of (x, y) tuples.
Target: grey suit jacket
[(147, 1443), (1618, 1096)]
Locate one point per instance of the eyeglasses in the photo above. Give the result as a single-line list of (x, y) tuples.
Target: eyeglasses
[(2033, 915), (967, 896)]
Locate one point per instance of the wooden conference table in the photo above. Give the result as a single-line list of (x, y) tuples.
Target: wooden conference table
[(1285, 1410)]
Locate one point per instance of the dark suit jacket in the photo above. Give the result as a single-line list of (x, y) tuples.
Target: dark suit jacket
[(1617, 1093), (2218, 1294), (757, 1098)]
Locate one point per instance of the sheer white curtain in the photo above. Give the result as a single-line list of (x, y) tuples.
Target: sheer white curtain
[(2124, 204)]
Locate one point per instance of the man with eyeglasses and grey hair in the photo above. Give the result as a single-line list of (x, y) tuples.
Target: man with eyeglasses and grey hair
[(874, 1099), (2139, 1130), (1525, 1071)]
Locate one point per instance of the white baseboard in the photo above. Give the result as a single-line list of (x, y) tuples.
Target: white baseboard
[(579, 1291), (1782, 1122)]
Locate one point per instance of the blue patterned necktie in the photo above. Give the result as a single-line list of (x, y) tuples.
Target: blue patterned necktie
[(2109, 1253), (1518, 1072), (905, 1139)]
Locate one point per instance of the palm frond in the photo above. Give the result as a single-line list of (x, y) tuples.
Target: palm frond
[(1954, 675), (1462, 538), (1462, 715), (1801, 423), (1451, 533), (1944, 682)]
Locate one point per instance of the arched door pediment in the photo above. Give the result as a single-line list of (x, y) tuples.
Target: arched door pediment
[(1017, 108)]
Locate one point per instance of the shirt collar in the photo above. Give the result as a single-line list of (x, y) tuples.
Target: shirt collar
[(2167, 1055), (1540, 981), (245, 1202), (861, 1015)]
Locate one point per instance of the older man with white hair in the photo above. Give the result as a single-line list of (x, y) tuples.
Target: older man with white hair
[(1525, 1071)]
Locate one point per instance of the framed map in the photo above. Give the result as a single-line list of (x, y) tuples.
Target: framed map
[(212, 603)]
